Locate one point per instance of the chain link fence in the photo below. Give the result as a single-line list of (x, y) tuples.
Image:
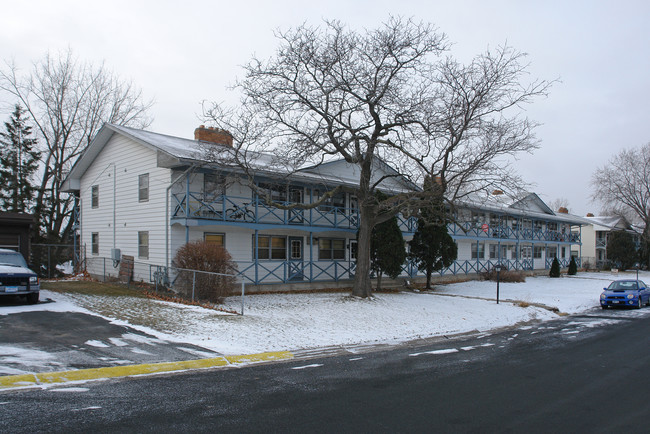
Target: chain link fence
[(194, 286), (53, 260)]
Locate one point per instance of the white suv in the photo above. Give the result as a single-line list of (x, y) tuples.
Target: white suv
[(16, 278)]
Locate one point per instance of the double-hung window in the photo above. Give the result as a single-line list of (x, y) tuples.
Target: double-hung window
[(94, 196), (143, 188), (478, 250), (143, 245), (331, 249), (270, 247), (94, 242)]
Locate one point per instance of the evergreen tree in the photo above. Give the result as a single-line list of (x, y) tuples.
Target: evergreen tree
[(555, 268), (387, 248), (432, 248), (621, 249), (573, 267), (18, 164)]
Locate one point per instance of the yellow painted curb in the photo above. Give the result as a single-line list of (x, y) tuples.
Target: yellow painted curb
[(26, 380)]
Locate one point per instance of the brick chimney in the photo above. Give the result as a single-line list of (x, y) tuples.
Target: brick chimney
[(497, 192), (563, 210), (213, 135), (589, 214)]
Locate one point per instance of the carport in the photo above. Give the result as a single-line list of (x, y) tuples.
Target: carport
[(14, 232)]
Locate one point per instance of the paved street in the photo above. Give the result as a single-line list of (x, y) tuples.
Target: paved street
[(583, 373)]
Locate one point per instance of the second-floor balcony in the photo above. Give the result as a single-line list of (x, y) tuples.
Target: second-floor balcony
[(254, 211)]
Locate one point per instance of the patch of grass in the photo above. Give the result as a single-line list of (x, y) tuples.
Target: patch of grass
[(90, 288), (523, 304)]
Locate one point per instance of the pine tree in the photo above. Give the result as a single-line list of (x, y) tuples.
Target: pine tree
[(387, 248), (555, 268), (18, 164), (573, 267), (432, 248), (621, 249)]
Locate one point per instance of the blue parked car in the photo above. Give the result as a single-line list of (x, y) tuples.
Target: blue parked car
[(630, 293)]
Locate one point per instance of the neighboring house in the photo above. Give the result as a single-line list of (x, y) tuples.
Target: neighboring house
[(595, 234), (145, 194)]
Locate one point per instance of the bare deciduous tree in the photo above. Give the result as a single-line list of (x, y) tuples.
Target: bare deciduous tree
[(387, 95), (68, 102), (622, 186)]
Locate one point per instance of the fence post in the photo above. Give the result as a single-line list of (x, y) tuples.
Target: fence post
[(193, 283), (49, 263), (104, 269), (242, 297)]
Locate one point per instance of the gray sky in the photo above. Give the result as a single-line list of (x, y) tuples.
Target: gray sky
[(181, 53)]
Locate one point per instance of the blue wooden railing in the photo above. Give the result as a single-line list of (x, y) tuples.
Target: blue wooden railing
[(235, 209)]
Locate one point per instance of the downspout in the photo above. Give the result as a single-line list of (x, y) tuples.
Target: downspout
[(167, 212), (114, 205)]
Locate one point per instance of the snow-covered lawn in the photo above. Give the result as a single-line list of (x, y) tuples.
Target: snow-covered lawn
[(300, 321)]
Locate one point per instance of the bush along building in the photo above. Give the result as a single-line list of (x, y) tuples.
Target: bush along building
[(144, 195)]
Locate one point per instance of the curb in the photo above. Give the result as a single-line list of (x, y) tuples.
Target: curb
[(49, 378)]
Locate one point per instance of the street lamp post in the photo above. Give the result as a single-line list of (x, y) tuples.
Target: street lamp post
[(498, 269)]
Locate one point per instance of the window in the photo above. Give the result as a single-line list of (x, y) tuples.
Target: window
[(494, 252), (563, 252), (143, 188), (526, 252), (337, 201), (278, 193), (94, 196), (537, 252), (269, 247), (143, 245), (551, 252), (218, 239), (478, 250), (331, 249), (552, 226), (214, 187), (94, 242), (538, 225)]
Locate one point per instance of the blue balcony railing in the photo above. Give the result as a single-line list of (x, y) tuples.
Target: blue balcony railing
[(224, 208)]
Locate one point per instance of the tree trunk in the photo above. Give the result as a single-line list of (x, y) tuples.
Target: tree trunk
[(362, 286), (429, 272), (379, 281)]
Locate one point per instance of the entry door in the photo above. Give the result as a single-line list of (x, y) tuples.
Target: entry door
[(296, 263), (296, 215)]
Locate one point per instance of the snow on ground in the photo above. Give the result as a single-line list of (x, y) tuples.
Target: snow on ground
[(301, 321)]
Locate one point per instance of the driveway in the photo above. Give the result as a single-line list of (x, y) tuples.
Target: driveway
[(35, 340)]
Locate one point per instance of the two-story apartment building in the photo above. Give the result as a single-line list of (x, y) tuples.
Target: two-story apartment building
[(146, 194), (595, 234)]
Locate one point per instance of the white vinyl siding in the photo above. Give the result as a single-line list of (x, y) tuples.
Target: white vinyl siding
[(116, 172)]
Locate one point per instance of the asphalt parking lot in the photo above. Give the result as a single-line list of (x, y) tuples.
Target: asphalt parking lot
[(46, 341)]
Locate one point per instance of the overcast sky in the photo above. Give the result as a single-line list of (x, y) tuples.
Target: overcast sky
[(182, 53)]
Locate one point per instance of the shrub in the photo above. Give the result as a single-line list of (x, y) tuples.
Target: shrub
[(573, 267), (555, 268), (204, 256), (504, 276)]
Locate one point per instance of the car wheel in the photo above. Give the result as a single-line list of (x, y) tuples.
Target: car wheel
[(604, 307), (32, 298), (639, 305)]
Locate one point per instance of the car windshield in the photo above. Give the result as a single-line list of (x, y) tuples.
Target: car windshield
[(12, 258), (623, 284)]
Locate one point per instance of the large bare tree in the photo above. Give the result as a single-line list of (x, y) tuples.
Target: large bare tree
[(68, 101), (388, 94), (622, 186)]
